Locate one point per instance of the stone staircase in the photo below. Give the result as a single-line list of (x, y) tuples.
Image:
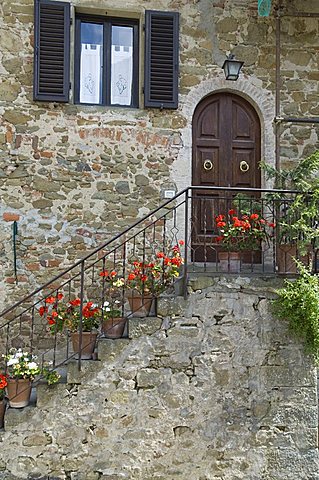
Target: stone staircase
[(212, 388)]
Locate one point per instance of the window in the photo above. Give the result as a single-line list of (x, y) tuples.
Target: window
[(106, 58), (106, 61)]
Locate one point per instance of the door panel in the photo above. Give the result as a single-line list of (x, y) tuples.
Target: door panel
[(226, 152), (243, 159), (209, 166)]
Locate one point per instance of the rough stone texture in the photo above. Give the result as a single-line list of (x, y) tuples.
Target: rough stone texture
[(66, 167), (220, 391)]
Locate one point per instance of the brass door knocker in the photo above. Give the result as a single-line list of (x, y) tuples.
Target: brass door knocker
[(243, 166), (208, 165)]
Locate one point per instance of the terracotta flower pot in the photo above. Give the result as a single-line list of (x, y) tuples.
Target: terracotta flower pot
[(19, 391), (88, 344), (113, 327), (2, 412), (229, 262), (285, 258), (140, 305)]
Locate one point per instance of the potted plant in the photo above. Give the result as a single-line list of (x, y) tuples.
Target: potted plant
[(298, 302), (22, 369), (238, 233), (297, 232), (3, 384), (62, 316), (146, 279), (113, 322)]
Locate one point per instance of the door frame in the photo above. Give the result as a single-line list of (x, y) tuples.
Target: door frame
[(200, 108)]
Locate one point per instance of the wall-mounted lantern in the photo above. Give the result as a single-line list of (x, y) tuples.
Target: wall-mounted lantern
[(232, 67)]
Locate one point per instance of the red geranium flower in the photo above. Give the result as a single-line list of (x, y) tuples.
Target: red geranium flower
[(3, 381), (42, 311), (50, 300), (241, 232), (75, 303)]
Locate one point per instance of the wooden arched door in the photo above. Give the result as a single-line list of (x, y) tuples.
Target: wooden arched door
[(226, 153)]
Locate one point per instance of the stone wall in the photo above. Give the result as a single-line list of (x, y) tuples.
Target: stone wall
[(76, 175), (219, 390)]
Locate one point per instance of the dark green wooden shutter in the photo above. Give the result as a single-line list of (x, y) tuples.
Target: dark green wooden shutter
[(51, 51), (161, 59)]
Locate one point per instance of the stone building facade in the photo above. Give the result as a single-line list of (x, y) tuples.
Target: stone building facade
[(73, 175)]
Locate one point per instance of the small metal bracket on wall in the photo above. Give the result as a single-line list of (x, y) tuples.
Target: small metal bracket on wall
[(14, 238)]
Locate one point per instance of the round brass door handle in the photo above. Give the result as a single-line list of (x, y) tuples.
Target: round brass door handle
[(208, 165), (243, 166)]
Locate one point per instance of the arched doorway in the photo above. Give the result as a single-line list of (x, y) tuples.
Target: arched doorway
[(226, 153)]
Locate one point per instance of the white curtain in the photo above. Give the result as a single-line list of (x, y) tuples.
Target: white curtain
[(122, 72), (90, 74)]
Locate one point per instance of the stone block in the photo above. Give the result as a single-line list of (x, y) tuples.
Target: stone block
[(36, 440), (199, 283), (88, 367), (16, 416), (283, 376), (110, 349), (171, 306), (143, 326), (151, 378), (48, 393)]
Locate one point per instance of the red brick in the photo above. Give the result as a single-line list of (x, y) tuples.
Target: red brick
[(46, 154), (11, 217), (33, 267), (9, 135), (21, 278), (54, 263), (10, 280), (18, 141)]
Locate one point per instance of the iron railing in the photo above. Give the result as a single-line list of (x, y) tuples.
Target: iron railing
[(187, 220)]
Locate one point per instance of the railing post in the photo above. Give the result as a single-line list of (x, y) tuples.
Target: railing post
[(81, 315), (185, 270)]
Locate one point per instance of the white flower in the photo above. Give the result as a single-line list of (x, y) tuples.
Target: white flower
[(106, 307), (32, 365), (12, 361)]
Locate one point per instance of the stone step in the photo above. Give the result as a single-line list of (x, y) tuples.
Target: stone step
[(88, 367), (15, 416), (138, 326), (109, 349)]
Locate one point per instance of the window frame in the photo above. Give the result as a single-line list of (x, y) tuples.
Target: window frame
[(107, 23)]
